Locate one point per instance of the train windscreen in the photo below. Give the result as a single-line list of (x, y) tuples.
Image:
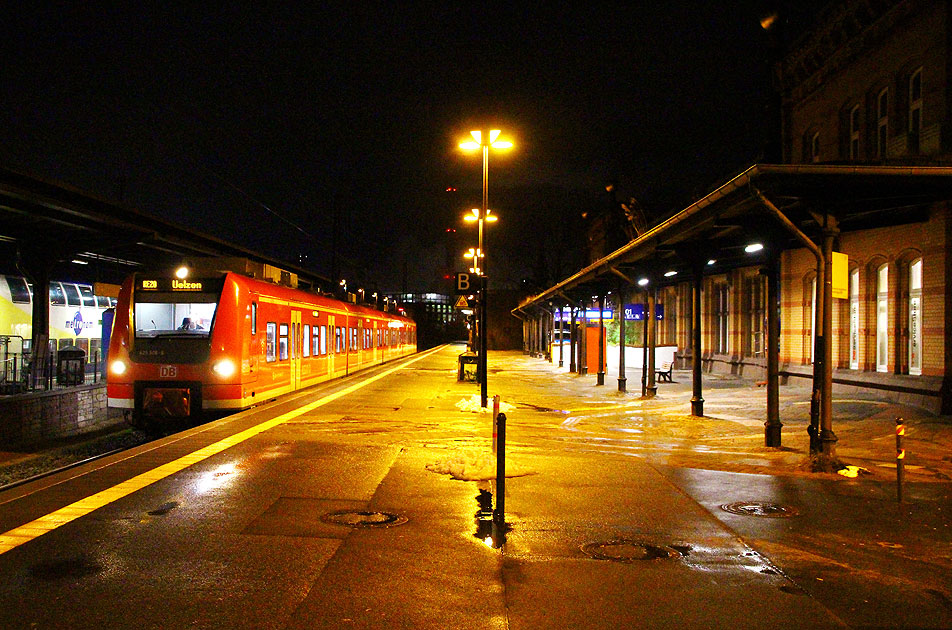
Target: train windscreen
[(174, 314)]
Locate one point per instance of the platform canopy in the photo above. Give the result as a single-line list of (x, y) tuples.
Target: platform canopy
[(720, 225), (53, 224)]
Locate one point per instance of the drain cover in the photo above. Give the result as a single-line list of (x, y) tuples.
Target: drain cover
[(759, 508), (631, 550), (352, 518)]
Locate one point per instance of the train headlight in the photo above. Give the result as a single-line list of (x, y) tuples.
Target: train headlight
[(117, 367), (224, 368)]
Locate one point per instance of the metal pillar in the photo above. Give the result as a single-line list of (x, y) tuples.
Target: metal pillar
[(622, 380), (827, 437), (697, 400), (573, 342), (600, 379), (773, 425), (583, 343), (652, 325), (561, 333)]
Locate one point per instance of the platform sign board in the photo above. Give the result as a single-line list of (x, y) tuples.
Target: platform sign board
[(461, 302), (466, 283), (841, 275), (636, 312)]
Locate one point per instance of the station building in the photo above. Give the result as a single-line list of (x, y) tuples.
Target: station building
[(863, 168)]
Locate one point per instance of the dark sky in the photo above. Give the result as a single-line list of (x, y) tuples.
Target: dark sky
[(269, 124)]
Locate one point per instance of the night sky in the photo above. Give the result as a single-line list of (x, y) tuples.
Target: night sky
[(279, 127)]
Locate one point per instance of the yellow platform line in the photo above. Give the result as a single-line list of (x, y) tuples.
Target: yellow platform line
[(47, 523)]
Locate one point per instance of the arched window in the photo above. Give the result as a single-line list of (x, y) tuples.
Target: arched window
[(882, 318), (854, 319), (815, 147), (915, 317)]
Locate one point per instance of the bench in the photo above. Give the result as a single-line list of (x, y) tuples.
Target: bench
[(664, 372)]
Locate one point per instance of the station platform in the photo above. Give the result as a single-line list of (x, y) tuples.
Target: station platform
[(353, 505)]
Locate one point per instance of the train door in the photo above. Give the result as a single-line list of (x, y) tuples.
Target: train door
[(295, 349), (255, 343)]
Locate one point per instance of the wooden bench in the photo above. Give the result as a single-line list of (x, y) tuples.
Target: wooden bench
[(664, 372)]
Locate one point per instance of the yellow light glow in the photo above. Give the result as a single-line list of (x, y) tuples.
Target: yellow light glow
[(469, 146), (118, 368), (502, 144), (491, 218), (182, 272), (470, 218), (493, 134), (224, 368), (477, 136)]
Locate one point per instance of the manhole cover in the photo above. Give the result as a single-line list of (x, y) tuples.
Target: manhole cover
[(759, 508), (631, 550), (352, 518)]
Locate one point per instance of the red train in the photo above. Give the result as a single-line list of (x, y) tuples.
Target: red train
[(224, 341)]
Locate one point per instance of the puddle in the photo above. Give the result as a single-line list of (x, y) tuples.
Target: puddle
[(65, 568), (163, 509)]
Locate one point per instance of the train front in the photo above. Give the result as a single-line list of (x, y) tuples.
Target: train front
[(170, 347)]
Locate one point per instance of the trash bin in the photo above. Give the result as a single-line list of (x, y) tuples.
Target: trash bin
[(468, 365), (70, 366)]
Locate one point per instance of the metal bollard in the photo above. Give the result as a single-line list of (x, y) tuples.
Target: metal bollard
[(900, 457), (495, 417), (499, 515)]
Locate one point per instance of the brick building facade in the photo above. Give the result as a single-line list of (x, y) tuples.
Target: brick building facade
[(869, 85)]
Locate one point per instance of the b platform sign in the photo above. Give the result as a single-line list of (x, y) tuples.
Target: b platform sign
[(466, 283)]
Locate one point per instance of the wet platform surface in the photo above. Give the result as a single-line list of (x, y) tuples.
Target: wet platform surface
[(353, 505)]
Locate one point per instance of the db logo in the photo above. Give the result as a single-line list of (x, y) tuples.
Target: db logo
[(168, 371)]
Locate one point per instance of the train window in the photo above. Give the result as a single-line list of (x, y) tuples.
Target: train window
[(306, 349), (270, 341), (337, 338), (102, 301), (86, 292), (19, 292), (254, 318), (353, 339), (283, 342), (72, 294), (57, 297), (323, 339), (174, 315)]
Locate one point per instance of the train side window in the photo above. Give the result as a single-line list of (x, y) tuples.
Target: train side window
[(270, 340), (306, 348), (323, 340), (254, 318), (283, 342), (19, 292), (86, 292), (317, 340), (72, 295), (102, 301), (57, 297)]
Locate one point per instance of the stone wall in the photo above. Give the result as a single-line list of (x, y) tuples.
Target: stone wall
[(29, 419)]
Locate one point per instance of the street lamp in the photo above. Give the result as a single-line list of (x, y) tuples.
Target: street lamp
[(482, 215)]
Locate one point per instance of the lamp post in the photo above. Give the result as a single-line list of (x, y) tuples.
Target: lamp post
[(483, 141)]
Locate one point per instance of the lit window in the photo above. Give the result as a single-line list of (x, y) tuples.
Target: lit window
[(306, 349), (882, 319), (915, 108), (271, 341), (283, 342), (915, 317)]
